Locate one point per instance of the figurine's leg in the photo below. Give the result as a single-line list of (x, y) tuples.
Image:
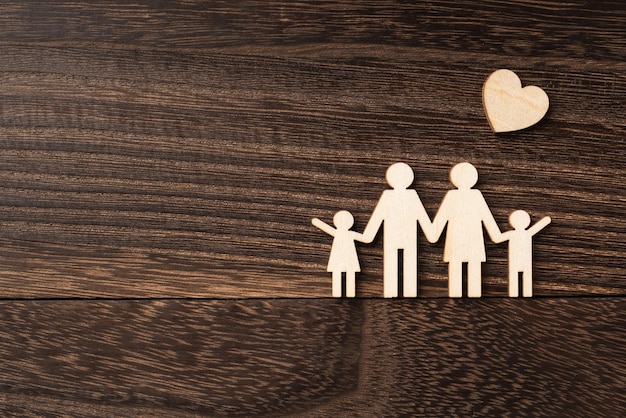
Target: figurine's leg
[(513, 283), (527, 282), (410, 273), (455, 279), (474, 279), (390, 273), (336, 284), (350, 284)]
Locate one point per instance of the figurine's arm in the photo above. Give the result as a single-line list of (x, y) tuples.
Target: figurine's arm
[(493, 230), (490, 223), (503, 236), (424, 220), (439, 222), (357, 236), (539, 225), (324, 226), (376, 220)]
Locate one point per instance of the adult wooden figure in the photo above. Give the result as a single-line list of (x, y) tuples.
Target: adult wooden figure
[(465, 211), (400, 209)]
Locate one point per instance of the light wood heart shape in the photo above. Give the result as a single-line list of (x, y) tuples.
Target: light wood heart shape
[(508, 106)]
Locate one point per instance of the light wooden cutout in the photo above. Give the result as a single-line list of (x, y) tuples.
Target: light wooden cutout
[(399, 210), (521, 251), (465, 212), (343, 255), (508, 106)]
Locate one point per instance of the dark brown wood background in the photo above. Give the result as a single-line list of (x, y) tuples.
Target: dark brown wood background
[(160, 163)]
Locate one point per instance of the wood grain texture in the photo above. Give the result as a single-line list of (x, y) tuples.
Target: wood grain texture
[(552, 357), (224, 357), (505, 357), (168, 149), (156, 152)]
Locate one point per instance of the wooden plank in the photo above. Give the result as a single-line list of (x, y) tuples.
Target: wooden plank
[(323, 358), (504, 357), (205, 356), (182, 156), (539, 29), (138, 210)]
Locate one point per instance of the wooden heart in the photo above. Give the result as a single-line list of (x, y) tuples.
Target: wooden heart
[(508, 106)]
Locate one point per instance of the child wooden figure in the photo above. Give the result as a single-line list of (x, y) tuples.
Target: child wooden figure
[(343, 255), (520, 251)]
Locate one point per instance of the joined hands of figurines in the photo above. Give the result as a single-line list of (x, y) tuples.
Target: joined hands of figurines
[(399, 211)]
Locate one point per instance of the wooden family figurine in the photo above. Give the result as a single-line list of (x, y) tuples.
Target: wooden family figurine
[(521, 251), (465, 213), (343, 257)]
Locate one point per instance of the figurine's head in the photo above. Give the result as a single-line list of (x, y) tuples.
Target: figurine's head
[(519, 219), (464, 175), (399, 176), (343, 219)]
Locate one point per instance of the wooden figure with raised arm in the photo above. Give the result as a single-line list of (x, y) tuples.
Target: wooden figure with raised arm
[(465, 212), (343, 256), (400, 209), (521, 251)]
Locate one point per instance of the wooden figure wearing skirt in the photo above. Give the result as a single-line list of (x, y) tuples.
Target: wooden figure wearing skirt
[(465, 212), (343, 256)]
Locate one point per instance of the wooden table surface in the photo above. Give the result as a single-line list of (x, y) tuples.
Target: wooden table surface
[(160, 163)]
